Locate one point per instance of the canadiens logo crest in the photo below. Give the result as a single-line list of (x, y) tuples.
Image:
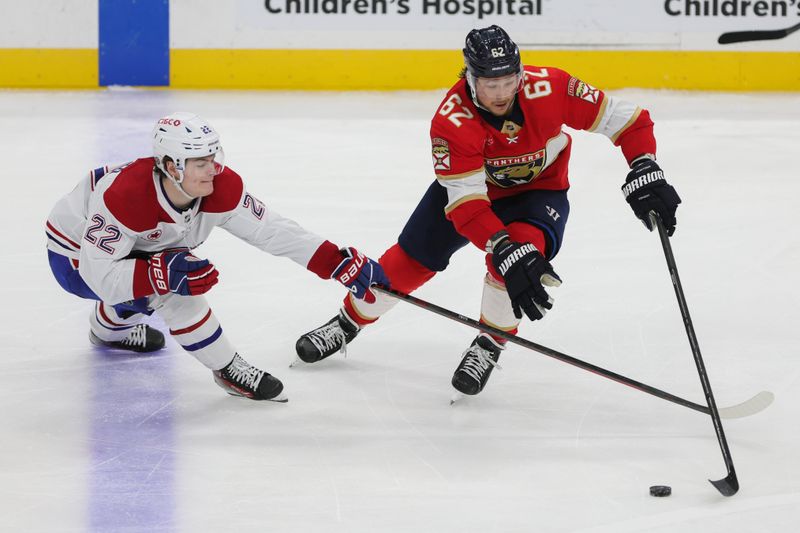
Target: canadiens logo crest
[(440, 151), (154, 235), (583, 90)]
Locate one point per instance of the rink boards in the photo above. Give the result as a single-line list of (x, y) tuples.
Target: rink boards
[(391, 45)]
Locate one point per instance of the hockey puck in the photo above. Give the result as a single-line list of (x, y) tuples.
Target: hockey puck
[(660, 491)]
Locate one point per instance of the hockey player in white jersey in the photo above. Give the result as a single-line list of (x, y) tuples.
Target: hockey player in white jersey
[(124, 238)]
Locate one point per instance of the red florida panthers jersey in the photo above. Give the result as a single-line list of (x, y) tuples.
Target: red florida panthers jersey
[(479, 157)]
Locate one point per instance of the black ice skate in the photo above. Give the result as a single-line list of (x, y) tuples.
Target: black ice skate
[(326, 340), (142, 338), (475, 368), (240, 378)]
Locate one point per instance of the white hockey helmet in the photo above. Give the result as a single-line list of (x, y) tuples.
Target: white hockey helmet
[(181, 136)]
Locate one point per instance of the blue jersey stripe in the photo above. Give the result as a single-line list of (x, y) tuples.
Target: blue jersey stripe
[(55, 240)]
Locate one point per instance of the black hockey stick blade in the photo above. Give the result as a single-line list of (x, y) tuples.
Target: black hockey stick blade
[(728, 486), (756, 35), (749, 407)]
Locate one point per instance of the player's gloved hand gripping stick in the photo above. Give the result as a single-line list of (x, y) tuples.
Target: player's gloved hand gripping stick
[(526, 272), (646, 190), (358, 273)]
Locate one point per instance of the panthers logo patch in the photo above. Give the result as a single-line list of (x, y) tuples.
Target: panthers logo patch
[(583, 90), (518, 170)]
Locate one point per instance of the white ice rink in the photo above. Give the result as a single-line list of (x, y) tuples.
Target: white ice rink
[(100, 442)]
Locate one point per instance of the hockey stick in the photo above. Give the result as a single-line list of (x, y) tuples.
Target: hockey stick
[(757, 403), (729, 485), (758, 35)]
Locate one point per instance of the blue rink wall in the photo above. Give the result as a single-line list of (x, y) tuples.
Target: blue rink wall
[(133, 49)]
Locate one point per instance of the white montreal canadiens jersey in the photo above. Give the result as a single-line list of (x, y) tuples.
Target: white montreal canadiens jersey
[(115, 213)]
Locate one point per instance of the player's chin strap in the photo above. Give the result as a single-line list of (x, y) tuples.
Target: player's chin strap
[(177, 183), (161, 167)]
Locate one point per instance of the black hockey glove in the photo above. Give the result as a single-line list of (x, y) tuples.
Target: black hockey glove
[(525, 272), (646, 190)]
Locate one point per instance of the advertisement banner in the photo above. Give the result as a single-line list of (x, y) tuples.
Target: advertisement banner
[(555, 24)]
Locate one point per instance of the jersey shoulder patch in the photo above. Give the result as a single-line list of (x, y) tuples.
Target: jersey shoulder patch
[(441, 154), (584, 91), (132, 197), (228, 189)]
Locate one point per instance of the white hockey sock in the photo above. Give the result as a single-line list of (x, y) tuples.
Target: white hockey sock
[(496, 309), (108, 326), (373, 311), (194, 326)]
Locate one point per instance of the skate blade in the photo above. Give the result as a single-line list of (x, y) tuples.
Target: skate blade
[(280, 398), (456, 397), (100, 343), (297, 362)]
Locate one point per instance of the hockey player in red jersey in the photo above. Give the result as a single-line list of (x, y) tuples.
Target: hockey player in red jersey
[(124, 238), (500, 156)]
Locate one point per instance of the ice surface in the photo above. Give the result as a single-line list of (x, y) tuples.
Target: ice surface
[(93, 441)]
